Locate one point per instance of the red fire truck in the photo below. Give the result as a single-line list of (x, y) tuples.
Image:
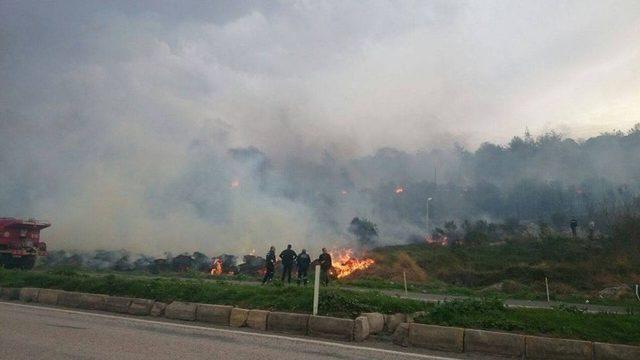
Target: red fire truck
[(20, 242)]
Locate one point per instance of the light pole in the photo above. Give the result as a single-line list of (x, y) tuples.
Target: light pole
[(428, 222)]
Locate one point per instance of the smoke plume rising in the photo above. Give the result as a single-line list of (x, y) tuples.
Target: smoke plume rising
[(231, 126)]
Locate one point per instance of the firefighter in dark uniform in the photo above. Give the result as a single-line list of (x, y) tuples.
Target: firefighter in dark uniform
[(574, 227), (271, 265), (303, 266), (325, 266), (288, 256)]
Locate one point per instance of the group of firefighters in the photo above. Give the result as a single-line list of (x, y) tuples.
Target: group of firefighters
[(302, 260)]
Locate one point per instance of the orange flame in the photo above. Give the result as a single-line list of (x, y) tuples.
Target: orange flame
[(216, 267), (437, 240), (399, 190), (344, 263)]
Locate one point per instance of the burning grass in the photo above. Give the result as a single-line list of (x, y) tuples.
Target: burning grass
[(346, 263)]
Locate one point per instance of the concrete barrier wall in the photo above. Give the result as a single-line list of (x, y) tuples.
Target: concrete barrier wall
[(257, 319), (180, 311), (392, 321), (428, 336), (436, 337), (376, 322), (215, 314), (238, 317), (401, 335), (117, 304), (494, 342), (10, 293), (361, 328), (603, 351), (29, 294), (69, 299), (158, 308), (288, 322), (93, 301), (561, 349), (49, 296), (331, 328), (140, 307)]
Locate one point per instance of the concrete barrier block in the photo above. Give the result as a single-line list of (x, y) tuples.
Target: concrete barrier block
[(411, 317), (331, 328), (401, 335), (288, 322), (69, 299), (562, 349), (181, 311), (10, 293), (157, 309), (361, 328), (257, 319), (392, 321), (140, 307), (603, 351), (29, 294), (436, 337), (493, 342), (92, 301), (49, 296), (215, 314), (238, 317), (117, 304), (376, 322)]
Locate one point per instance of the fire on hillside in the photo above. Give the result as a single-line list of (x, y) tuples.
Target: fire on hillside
[(345, 263)]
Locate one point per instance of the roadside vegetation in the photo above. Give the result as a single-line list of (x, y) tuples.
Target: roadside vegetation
[(565, 322), (578, 270), (490, 313), (333, 301)]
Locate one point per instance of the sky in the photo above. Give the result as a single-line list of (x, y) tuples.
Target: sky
[(109, 108)]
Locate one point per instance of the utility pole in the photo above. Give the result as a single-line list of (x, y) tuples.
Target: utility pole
[(428, 220), (435, 176)]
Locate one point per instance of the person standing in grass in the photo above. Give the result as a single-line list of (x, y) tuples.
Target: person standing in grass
[(303, 266), (325, 266), (288, 256), (271, 265)]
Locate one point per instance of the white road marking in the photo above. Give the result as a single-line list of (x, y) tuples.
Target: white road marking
[(270, 336)]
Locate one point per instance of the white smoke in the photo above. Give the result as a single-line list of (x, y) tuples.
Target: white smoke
[(116, 120)]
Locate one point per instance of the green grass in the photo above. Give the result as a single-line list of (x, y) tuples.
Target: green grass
[(333, 301), (481, 314), (563, 322), (576, 270)]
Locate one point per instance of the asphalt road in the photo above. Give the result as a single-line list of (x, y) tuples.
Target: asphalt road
[(37, 332)]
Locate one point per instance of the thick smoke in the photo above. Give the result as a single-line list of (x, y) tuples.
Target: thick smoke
[(228, 127)]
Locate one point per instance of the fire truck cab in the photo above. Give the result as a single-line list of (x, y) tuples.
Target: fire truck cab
[(20, 242)]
